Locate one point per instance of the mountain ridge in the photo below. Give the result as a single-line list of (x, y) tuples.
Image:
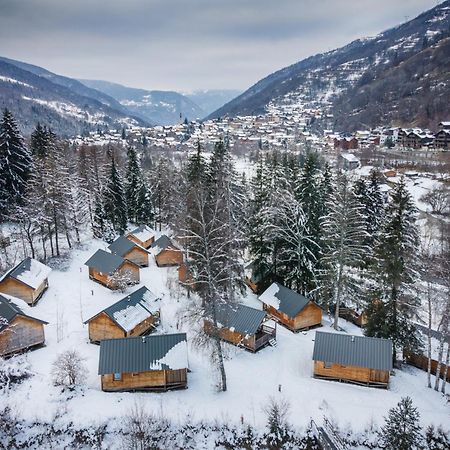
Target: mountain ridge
[(324, 77)]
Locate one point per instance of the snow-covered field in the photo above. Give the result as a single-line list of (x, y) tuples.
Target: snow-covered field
[(252, 378)]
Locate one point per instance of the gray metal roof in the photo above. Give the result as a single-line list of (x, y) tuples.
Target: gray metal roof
[(133, 308), (290, 302), (9, 311), (105, 262), (348, 350), (163, 242), (122, 246), (141, 354), (243, 319)]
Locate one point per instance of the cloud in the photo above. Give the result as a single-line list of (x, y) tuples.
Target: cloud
[(182, 45)]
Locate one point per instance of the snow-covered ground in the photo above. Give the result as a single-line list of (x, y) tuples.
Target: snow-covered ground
[(252, 378)]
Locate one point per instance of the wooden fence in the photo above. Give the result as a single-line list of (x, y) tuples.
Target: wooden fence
[(421, 362)]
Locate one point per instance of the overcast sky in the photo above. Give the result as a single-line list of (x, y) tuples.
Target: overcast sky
[(187, 44)]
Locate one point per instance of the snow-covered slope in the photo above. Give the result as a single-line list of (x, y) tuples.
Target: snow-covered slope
[(65, 105), (252, 378), (159, 107), (342, 79)]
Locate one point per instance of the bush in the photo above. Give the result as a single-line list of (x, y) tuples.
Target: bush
[(69, 370)]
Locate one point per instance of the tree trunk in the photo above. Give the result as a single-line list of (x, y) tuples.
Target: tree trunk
[(338, 297), (44, 247), (55, 222), (50, 238), (444, 377), (438, 368), (429, 338)]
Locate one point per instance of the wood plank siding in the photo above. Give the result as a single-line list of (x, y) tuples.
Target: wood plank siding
[(138, 256), (103, 327), (169, 257), (145, 244), (22, 334), (15, 288), (104, 278), (352, 374), (310, 316), (153, 380)]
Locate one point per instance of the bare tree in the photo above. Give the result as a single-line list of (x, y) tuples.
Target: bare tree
[(69, 369)]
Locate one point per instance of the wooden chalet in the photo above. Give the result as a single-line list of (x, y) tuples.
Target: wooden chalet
[(242, 326), (142, 235), (146, 363), (442, 139), (352, 359), (254, 280), (104, 268), (166, 252), (186, 275), (129, 250), (290, 309), (135, 315), (18, 331), (27, 281)]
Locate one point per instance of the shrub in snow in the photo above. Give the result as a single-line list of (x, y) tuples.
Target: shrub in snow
[(121, 280), (436, 438), (13, 370), (69, 369), (402, 429)]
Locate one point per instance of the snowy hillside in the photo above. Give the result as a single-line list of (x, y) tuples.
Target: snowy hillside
[(253, 378), (349, 79)]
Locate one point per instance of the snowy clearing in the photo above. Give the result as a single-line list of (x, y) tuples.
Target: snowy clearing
[(252, 378)]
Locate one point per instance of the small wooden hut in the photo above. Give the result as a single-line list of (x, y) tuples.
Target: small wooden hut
[(109, 269), (146, 363), (166, 252), (242, 326), (290, 309), (27, 281), (186, 275), (135, 315), (18, 331), (142, 235), (353, 359), (129, 250)]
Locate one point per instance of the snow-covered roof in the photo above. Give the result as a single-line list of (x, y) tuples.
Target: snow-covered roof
[(143, 233), (9, 311), (350, 157), (132, 309), (283, 299), (143, 354), (30, 272)]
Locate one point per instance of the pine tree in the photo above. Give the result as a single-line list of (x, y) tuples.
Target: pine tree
[(395, 274), (139, 205), (259, 243), (402, 429), (114, 200), (344, 235), (16, 164), (39, 142)]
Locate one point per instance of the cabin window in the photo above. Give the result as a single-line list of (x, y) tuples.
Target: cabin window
[(117, 376), (327, 365)]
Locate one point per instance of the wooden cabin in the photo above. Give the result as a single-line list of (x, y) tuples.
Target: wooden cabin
[(18, 331), (352, 359), (242, 326), (186, 275), (256, 281), (129, 250), (135, 315), (166, 252), (146, 363), (27, 281), (107, 269), (290, 309), (142, 235)]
